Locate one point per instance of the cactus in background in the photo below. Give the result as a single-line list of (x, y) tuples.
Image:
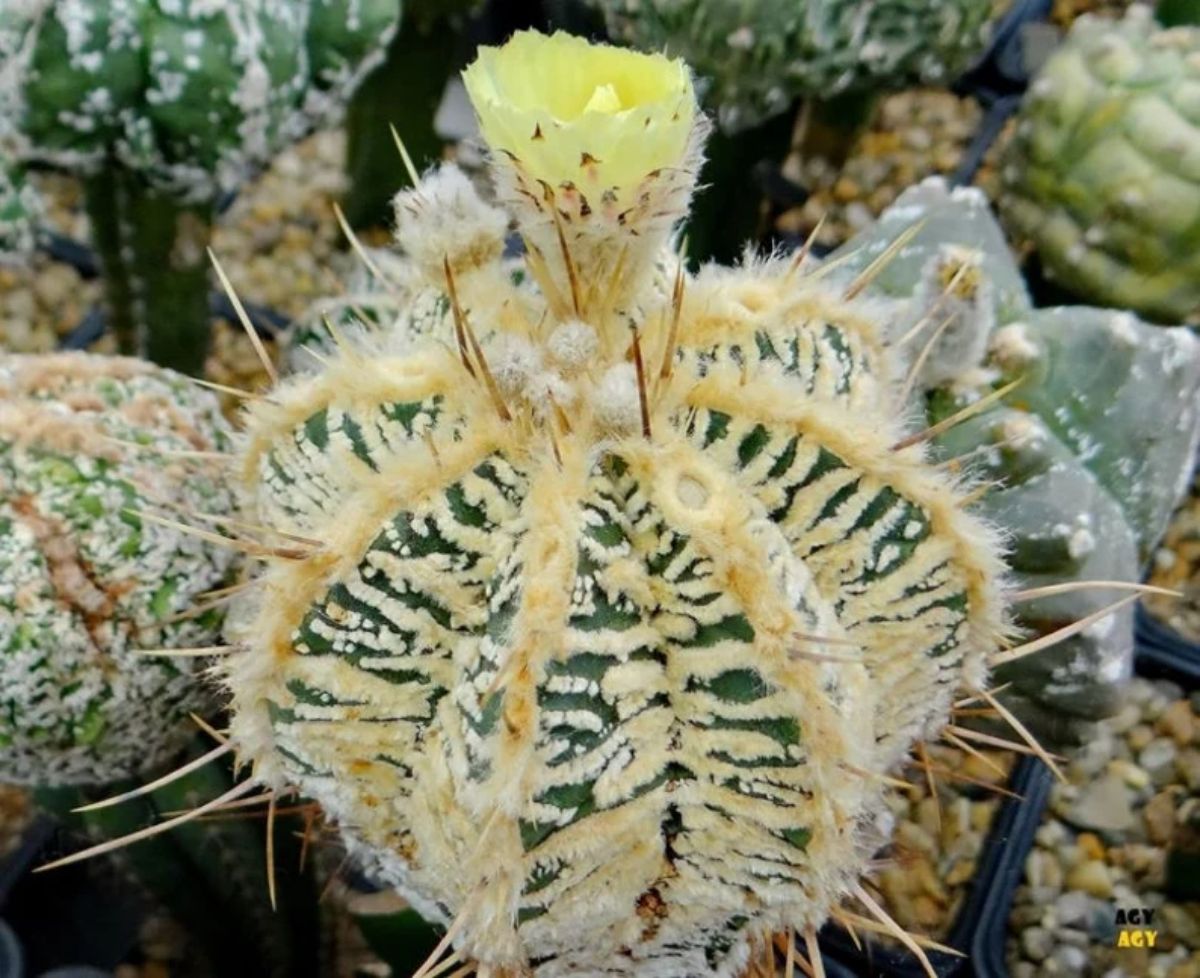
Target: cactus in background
[(403, 93), (1089, 465), (85, 442), (614, 575), (163, 107), (756, 58), (86, 583), (20, 208), (1103, 174)]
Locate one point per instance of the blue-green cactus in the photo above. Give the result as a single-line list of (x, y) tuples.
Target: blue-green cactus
[(1088, 462)]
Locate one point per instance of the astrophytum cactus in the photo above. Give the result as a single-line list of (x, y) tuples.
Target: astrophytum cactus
[(614, 591), (86, 443), (162, 107), (755, 58), (1089, 446), (1103, 175)]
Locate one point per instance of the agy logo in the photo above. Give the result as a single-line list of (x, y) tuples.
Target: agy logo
[(1133, 927)]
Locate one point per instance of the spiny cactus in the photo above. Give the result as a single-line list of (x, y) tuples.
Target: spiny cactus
[(755, 58), (1103, 175), (622, 588), (162, 107), (86, 442), (1090, 451)]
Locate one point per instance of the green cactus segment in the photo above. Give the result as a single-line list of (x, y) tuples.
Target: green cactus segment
[(631, 727), (1086, 375), (1064, 526), (152, 250), (194, 95), (307, 473), (85, 582), (940, 217), (345, 38), (1089, 471), (20, 211), (757, 57), (1103, 176)]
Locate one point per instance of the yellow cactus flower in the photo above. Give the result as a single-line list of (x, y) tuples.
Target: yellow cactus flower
[(586, 116)]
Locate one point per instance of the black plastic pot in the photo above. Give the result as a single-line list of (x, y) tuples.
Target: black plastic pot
[(981, 928)]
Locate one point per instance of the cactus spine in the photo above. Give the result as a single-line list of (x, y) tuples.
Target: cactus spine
[(624, 587)]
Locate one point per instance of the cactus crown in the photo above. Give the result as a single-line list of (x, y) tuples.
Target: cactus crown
[(620, 586)]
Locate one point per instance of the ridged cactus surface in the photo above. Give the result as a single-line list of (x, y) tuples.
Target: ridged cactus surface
[(1089, 452), (85, 583), (191, 94), (622, 590), (1104, 173), (758, 56)]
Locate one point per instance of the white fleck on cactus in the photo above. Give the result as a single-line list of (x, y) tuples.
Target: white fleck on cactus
[(85, 583), (20, 210), (624, 590)]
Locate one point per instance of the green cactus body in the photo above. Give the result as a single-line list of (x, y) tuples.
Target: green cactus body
[(607, 672), (20, 209), (84, 582), (164, 106), (1104, 173), (757, 57), (1088, 466), (404, 94)]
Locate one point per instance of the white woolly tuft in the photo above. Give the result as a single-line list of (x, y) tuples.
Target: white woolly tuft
[(514, 361), (572, 345), (962, 316), (616, 399), (445, 218)]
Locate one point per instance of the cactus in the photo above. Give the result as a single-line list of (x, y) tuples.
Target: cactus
[(1089, 466), (163, 107), (85, 443), (20, 209), (403, 93), (756, 58), (1102, 177), (621, 588)]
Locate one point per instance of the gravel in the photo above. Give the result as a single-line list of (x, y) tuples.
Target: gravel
[(1104, 846)]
